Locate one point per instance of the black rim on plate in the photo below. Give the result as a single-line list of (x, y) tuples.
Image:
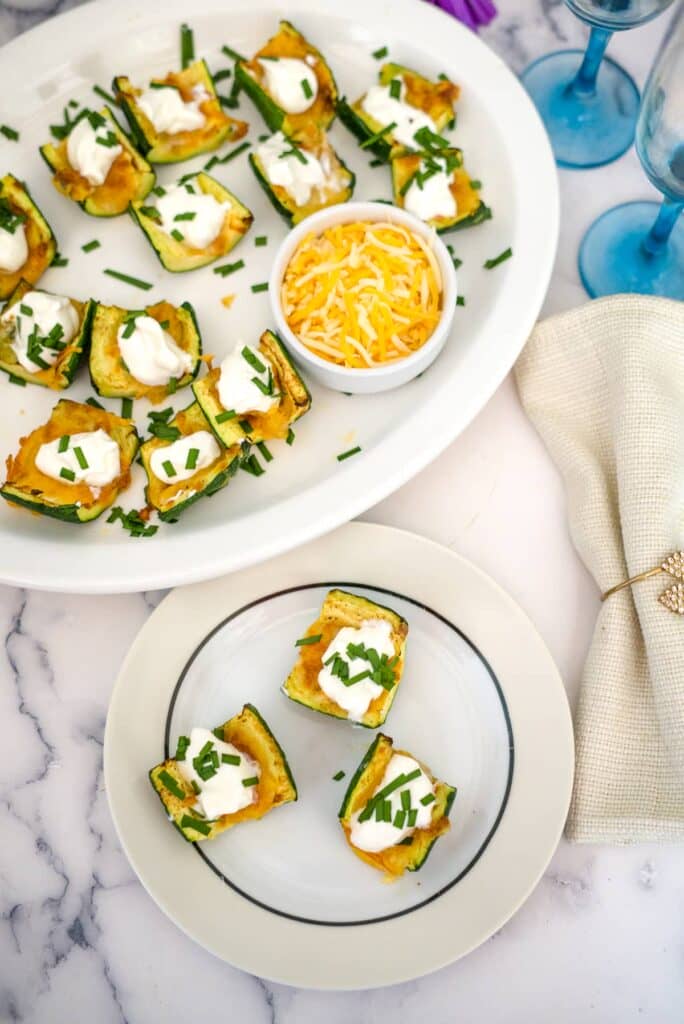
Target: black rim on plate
[(504, 707)]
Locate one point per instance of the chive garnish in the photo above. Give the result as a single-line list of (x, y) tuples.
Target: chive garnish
[(306, 88), (80, 457), (395, 88), (231, 758), (253, 360), (135, 281), (168, 467), (428, 799), (60, 261), (228, 157), (127, 408), (63, 443), (412, 817), (251, 781), (290, 437), (94, 403), (172, 385), (262, 287), (475, 183), (229, 268), (261, 240), (19, 381), (306, 640), (187, 821), (131, 521), (460, 301), (171, 784), (67, 474), (183, 744), (220, 76), (191, 461), (227, 414), (189, 215), (399, 819), (9, 133), (505, 255), (379, 135), (104, 94), (26, 310), (338, 775), (348, 454), (187, 46), (252, 466), (406, 842), (178, 235), (406, 799), (195, 787), (268, 457), (233, 54), (159, 191), (379, 54)]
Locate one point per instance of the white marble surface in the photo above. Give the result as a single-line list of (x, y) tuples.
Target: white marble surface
[(601, 938)]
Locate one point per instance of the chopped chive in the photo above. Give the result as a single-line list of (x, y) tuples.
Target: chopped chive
[(218, 732), (406, 842), (406, 799), (129, 328), (395, 88), (377, 162), (428, 799), (181, 749), (131, 521), (233, 54), (191, 461), (178, 235), (261, 240), (251, 781), (252, 466), (229, 268), (505, 255), (187, 821), (290, 437), (379, 135), (187, 46), (268, 457), (104, 94), (89, 246), (164, 324), (172, 385), (94, 403), (231, 758), (386, 810), (348, 454), (460, 301), (263, 138), (195, 787), (168, 467), (127, 408), (59, 261), (378, 810), (9, 133), (171, 784), (338, 775), (306, 88), (227, 414), (262, 287), (412, 817), (306, 640), (190, 215), (399, 819), (26, 310), (381, 53), (220, 76), (230, 102), (357, 678), (63, 443), (67, 474), (159, 191), (246, 426), (475, 183), (253, 360), (135, 281), (80, 457)]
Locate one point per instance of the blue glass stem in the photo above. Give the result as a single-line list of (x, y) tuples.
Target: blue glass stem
[(584, 82), (655, 241)]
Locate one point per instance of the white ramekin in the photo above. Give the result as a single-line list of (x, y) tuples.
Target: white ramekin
[(373, 379)]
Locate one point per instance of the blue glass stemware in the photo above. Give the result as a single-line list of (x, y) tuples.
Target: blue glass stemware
[(639, 246), (590, 104)]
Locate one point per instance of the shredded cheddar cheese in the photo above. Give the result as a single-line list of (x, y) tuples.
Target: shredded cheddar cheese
[(228, 301), (362, 294)]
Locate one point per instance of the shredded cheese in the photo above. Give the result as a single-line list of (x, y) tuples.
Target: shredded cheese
[(227, 301), (362, 294)]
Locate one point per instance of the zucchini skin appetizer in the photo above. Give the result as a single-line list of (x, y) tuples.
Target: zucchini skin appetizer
[(21, 218), (169, 497), (363, 792), (349, 616), (318, 114), (72, 502), (112, 377), (294, 400), (61, 373), (163, 147), (129, 177), (177, 254), (249, 734), (470, 208)]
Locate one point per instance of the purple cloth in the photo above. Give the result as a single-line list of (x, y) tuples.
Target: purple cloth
[(472, 13)]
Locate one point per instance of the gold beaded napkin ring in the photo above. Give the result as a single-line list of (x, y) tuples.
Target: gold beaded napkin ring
[(673, 597)]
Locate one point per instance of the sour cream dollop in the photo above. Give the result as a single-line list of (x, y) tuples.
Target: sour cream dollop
[(170, 463), (374, 836), (150, 353), (14, 248), (207, 218), (382, 107), (224, 792), (434, 199), (47, 312), (355, 699), (100, 461), (299, 177), (91, 151), (169, 113), (236, 388), (284, 78)]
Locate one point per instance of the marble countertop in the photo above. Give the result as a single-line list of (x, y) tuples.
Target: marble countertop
[(601, 937)]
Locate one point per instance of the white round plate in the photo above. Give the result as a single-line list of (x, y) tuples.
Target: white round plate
[(306, 491), (481, 703)]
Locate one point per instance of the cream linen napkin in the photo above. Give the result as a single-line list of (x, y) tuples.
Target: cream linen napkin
[(604, 385)]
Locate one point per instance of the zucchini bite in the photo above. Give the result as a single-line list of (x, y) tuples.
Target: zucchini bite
[(289, 43), (172, 147), (18, 212), (249, 733), (232, 429), (176, 254), (470, 209), (60, 374), (339, 611), (108, 371), (436, 99), (171, 499), (129, 178), (338, 184), (411, 853), (27, 486)]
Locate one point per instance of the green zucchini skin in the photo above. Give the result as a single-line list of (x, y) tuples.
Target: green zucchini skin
[(289, 212), (417, 864), (18, 194), (356, 777), (286, 764), (354, 121), (273, 115)]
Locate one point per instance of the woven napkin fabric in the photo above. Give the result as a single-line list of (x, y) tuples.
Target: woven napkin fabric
[(604, 386)]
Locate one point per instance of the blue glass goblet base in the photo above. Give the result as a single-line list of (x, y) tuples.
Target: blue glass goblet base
[(613, 257), (587, 128)]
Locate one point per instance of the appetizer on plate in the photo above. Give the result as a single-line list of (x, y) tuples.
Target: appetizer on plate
[(394, 809), (223, 777), (96, 166), (185, 464), (72, 467), (403, 102), (255, 395), (290, 83), (178, 116), (43, 336), (144, 353), (27, 244), (193, 222), (301, 178), (350, 660), (435, 187)]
